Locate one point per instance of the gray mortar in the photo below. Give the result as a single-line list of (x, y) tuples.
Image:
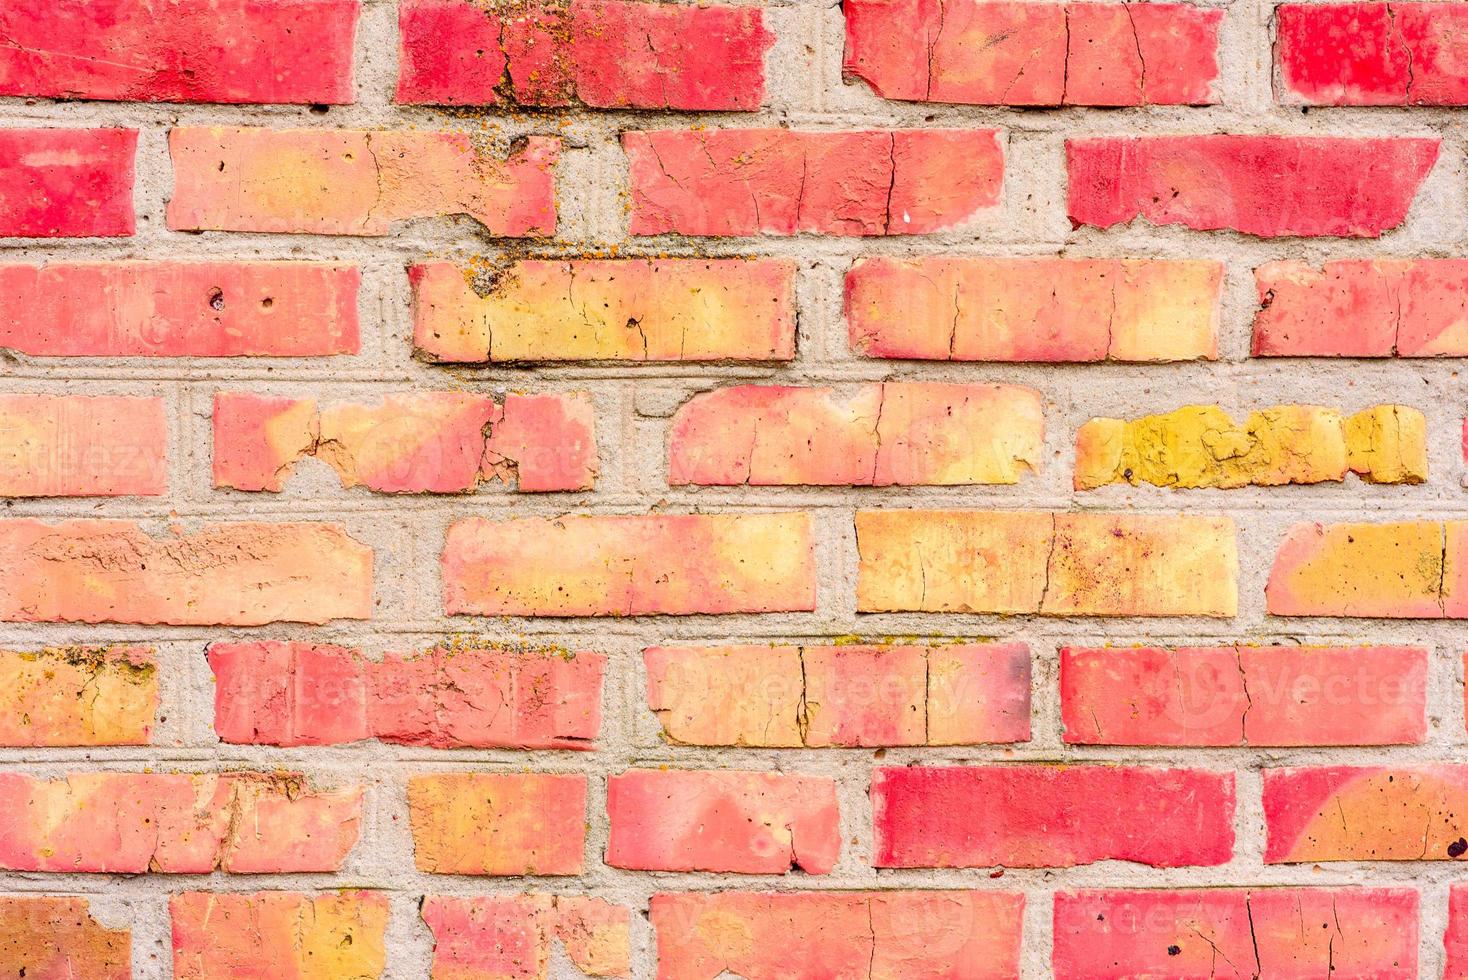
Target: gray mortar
[(634, 403)]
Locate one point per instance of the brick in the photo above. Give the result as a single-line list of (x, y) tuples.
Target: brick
[(606, 310), (630, 565), (887, 434), (606, 54), (1031, 562), (242, 823), (727, 182), (279, 934), (1190, 934), (78, 696), (1455, 939), (1261, 185), (422, 442), (516, 935), (1283, 695), (277, 693), (237, 51), (739, 822), (1399, 570), (1371, 53), (1366, 813), (884, 935), (1033, 309), (1200, 446), (498, 824), (1051, 816), (82, 446), (1047, 54), (47, 937), (225, 574), (179, 309), (1362, 308), (67, 183), (356, 182), (850, 696)]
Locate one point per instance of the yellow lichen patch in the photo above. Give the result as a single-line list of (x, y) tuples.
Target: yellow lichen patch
[(1201, 446)]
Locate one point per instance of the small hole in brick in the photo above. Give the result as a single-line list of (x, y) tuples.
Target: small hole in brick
[(216, 299), (320, 110), (267, 303), (1174, 950)]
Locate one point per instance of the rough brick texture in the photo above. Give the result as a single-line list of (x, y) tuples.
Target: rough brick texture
[(790, 490)]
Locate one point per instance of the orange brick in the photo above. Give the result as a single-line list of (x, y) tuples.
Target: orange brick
[(82, 446), (494, 824), (1399, 570), (78, 696), (1366, 813), (51, 938), (281, 934)]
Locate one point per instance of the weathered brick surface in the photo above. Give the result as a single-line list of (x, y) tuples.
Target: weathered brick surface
[(880, 490)]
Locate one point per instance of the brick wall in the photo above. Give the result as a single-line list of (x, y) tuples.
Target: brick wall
[(902, 488)]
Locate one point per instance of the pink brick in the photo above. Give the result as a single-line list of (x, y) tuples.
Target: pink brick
[(1372, 53), (1050, 816), (297, 51), (961, 935), (225, 574), (425, 442), (891, 434), (729, 182), (277, 693), (630, 566), (740, 822), (1034, 309), (1286, 695), (356, 182), (1366, 813), (1260, 185), (515, 936), (498, 823), (43, 937), (1362, 308), (1048, 54), (230, 936), (179, 309), (1455, 940), (606, 54), (1290, 933), (67, 183), (822, 696), (243, 823), (82, 446)]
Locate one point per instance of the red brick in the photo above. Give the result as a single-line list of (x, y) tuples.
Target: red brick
[(67, 183), (1362, 308), (278, 934), (1051, 816), (729, 182), (888, 434), (277, 693), (420, 442), (1049, 54), (498, 823), (822, 696), (243, 823), (356, 182), (225, 574), (960, 935), (82, 446), (515, 936), (1455, 940), (607, 54), (1285, 695), (75, 696), (1372, 53), (1367, 813), (179, 309), (606, 310), (1040, 309), (1260, 185), (295, 51), (46, 937), (1290, 933), (630, 565), (741, 822)]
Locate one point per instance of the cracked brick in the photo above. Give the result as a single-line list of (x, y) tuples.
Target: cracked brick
[(1365, 813)]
